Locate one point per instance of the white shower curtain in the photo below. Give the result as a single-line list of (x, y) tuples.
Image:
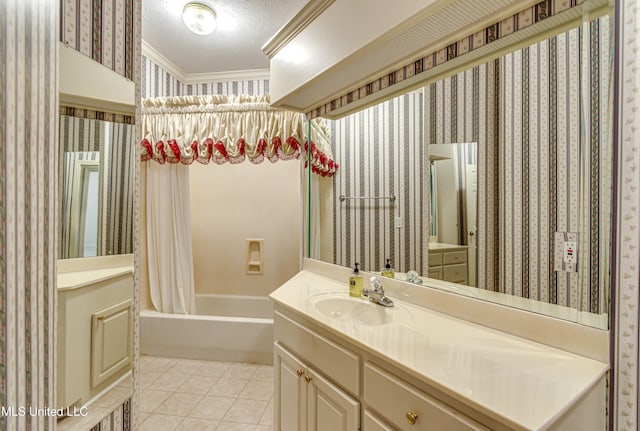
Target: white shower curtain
[(169, 248)]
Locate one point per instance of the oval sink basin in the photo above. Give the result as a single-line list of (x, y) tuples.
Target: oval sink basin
[(341, 307)]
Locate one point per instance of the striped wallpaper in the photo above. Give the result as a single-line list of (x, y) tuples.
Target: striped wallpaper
[(28, 199), (535, 144), (157, 82), (102, 30), (462, 109), (554, 142), (380, 153), (115, 142)]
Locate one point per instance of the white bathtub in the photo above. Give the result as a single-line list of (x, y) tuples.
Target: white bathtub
[(225, 328)]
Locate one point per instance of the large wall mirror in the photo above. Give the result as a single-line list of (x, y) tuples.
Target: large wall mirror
[(96, 186), (480, 179)]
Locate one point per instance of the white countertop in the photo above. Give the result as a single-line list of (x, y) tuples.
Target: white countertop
[(441, 246), (523, 384), (76, 279)]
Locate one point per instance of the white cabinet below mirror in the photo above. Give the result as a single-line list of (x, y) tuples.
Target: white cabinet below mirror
[(424, 371)]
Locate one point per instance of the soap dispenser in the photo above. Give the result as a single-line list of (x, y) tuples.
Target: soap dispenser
[(355, 283), (388, 271)]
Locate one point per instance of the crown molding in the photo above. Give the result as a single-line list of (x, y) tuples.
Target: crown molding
[(233, 75), (152, 54), (200, 78), (294, 26)]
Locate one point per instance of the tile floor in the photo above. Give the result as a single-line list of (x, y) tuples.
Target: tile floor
[(194, 395)]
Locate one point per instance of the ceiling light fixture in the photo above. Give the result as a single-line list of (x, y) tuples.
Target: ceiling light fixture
[(199, 18)]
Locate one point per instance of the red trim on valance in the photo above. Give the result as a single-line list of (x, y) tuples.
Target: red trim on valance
[(321, 164), (209, 150)]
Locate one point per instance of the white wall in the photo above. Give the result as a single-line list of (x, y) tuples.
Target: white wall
[(230, 203)]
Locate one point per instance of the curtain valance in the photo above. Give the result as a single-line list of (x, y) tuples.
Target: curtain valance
[(219, 129), (229, 129)]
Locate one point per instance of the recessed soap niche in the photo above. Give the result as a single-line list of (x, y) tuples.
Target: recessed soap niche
[(254, 255)]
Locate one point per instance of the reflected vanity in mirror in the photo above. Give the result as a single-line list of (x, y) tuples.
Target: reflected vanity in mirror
[(95, 280), (488, 166)]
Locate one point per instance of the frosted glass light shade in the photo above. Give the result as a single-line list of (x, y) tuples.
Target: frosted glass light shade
[(199, 18)]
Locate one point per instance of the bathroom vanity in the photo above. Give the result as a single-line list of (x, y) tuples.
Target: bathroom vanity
[(95, 326), (448, 262), (348, 364)]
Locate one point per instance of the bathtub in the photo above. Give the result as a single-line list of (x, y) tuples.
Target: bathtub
[(224, 328)]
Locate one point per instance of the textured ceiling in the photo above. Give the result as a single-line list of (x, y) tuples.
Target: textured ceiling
[(243, 27)]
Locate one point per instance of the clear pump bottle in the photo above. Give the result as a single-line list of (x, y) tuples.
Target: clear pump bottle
[(355, 283)]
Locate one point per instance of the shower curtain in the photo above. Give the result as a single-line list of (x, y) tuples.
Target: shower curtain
[(178, 131), (169, 249)]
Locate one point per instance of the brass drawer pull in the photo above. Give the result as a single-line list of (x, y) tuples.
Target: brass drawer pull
[(411, 418), (307, 377), (299, 372)]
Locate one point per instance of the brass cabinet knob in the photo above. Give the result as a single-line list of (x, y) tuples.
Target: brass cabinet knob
[(299, 372), (307, 377), (411, 418)]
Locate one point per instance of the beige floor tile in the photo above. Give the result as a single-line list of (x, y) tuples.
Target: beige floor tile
[(263, 372), (151, 400), (228, 387), (212, 407), (148, 377), (158, 364), (258, 390), (235, 426), (156, 422), (168, 382), (186, 366), (213, 368), (264, 428), (197, 385), (246, 411), (198, 424), (267, 416), (178, 404), (240, 371), (142, 416)]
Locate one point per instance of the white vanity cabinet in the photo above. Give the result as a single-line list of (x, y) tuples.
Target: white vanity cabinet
[(448, 262), (308, 401), (305, 399), (408, 407), (417, 369)]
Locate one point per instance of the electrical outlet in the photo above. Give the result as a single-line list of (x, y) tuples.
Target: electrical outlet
[(565, 252), (569, 252)]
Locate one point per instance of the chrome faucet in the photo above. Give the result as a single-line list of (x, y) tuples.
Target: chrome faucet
[(376, 293)]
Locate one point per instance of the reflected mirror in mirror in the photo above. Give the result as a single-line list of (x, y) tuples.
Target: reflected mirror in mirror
[(538, 118), (96, 187), (80, 192), (453, 171)]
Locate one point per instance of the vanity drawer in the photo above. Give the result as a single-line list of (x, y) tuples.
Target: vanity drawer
[(339, 364), (373, 423), (455, 273), (435, 273), (399, 402), (452, 257), (435, 259)]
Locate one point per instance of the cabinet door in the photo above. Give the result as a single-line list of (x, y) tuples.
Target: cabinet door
[(290, 397), (329, 408)]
